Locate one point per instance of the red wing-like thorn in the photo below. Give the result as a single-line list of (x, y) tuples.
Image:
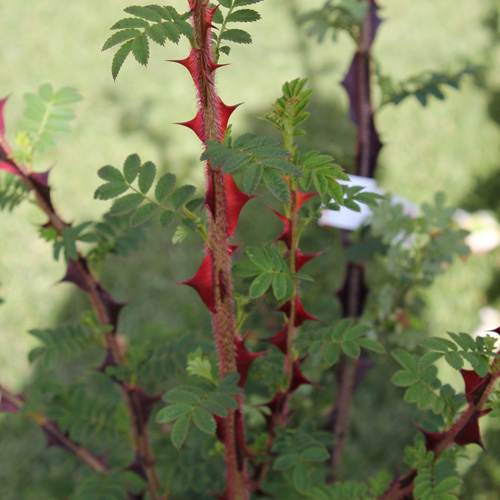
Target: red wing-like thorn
[(244, 358), (302, 198), (301, 314), (279, 339), (301, 259), (202, 282), (431, 438), (236, 200), (298, 378), (196, 125), (470, 434), (286, 234), (474, 385), (74, 274)]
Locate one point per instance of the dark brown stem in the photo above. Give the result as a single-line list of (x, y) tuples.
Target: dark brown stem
[(343, 406), (97, 296), (403, 486), (55, 435)]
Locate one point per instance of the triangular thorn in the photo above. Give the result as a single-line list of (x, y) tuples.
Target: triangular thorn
[(244, 358), (196, 125), (202, 282), (301, 259), (302, 198), (470, 434), (301, 314), (286, 235), (431, 438), (74, 274), (188, 63), (298, 378), (279, 340)]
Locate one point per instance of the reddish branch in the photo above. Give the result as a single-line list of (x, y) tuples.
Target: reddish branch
[(224, 201), (465, 430), (12, 403)]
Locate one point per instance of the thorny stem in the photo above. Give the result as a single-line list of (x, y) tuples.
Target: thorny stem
[(404, 485), (49, 427), (211, 127), (365, 167), (97, 297)]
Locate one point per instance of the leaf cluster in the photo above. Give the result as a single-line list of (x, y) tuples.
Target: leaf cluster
[(12, 191), (321, 171), (418, 248), (463, 347), (335, 16), (259, 157), (150, 22), (106, 486), (141, 206), (267, 268), (47, 115), (65, 241), (420, 86), (198, 403), (235, 14), (62, 343), (89, 419), (436, 479), (421, 382), (113, 235), (289, 110), (347, 338), (297, 452)]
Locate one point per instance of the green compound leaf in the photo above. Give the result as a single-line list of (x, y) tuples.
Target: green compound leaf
[(236, 36), (126, 204), (260, 285), (181, 195), (252, 177), (166, 218), (240, 3), (180, 430), (140, 49), (301, 477), (277, 185), (131, 167), (147, 176), (110, 190), (128, 23), (351, 348), (279, 286), (111, 174), (164, 186), (182, 396), (119, 58), (243, 16), (144, 13), (341, 328), (331, 353), (260, 258), (204, 420), (406, 360), (314, 453), (173, 412), (143, 214), (286, 460), (103, 486)]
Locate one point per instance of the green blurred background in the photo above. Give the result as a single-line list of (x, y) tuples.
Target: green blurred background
[(451, 146)]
